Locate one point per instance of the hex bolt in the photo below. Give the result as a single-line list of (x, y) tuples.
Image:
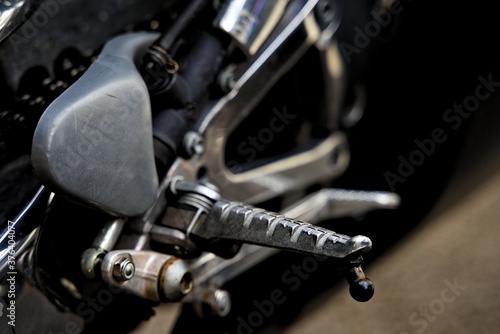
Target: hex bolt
[(194, 144), (219, 302), (123, 269), (226, 79)]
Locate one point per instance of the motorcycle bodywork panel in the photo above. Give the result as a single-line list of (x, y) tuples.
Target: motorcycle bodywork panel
[(95, 142)]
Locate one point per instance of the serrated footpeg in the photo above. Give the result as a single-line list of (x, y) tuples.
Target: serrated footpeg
[(238, 222)]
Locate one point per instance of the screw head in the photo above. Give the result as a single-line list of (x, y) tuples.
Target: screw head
[(194, 143), (220, 303), (186, 284), (227, 79), (124, 269), (176, 280)]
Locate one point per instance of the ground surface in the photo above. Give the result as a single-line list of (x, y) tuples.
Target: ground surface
[(444, 276)]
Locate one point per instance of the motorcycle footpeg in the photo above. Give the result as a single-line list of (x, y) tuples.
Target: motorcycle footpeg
[(239, 222)]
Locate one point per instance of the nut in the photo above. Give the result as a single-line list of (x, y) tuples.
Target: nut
[(123, 269)]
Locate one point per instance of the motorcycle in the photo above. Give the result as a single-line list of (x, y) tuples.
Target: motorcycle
[(164, 152)]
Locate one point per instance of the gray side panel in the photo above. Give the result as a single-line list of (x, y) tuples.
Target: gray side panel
[(95, 142)]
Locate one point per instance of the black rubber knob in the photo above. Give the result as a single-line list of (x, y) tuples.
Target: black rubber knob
[(360, 287), (361, 290)]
